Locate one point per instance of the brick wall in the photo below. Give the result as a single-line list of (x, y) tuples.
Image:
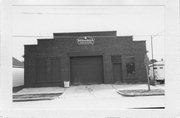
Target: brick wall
[(65, 47)]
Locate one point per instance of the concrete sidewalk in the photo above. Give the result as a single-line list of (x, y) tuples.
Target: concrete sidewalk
[(103, 96), (40, 90)]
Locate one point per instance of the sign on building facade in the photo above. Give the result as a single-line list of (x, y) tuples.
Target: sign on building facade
[(86, 40)]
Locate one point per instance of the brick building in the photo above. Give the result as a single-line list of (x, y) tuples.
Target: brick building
[(85, 58)]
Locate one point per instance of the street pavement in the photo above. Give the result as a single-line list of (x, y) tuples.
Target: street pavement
[(88, 97)]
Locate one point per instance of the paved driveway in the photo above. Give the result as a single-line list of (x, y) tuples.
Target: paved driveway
[(96, 97)]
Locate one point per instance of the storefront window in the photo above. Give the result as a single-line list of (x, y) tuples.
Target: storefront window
[(130, 65)]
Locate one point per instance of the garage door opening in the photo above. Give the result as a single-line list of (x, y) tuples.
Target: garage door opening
[(86, 70)]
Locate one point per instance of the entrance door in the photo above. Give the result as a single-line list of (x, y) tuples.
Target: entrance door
[(86, 70), (41, 70), (117, 72), (55, 69)]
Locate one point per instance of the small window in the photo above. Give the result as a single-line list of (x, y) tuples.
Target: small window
[(130, 65), (116, 59), (155, 68)]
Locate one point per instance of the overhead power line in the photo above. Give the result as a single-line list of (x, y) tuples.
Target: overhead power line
[(147, 35), (29, 36), (113, 5), (45, 13), (51, 36)]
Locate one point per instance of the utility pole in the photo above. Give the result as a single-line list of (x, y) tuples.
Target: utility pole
[(146, 62), (152, 58)]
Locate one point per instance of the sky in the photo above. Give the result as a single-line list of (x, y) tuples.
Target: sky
[(35, 22)]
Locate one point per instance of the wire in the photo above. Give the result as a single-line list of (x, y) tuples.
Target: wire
[(41, 13), (147, 35), (28, 36), (27, 5), (67, 36)]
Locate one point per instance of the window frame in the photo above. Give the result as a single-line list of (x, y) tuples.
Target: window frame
[(130, 72)]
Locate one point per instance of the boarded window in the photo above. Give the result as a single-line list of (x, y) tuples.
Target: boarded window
[(130, 65)]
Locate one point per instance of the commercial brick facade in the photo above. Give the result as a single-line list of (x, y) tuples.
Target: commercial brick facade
[(103, 58)]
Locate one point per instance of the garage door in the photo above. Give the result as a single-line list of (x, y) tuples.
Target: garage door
[(86, 70)]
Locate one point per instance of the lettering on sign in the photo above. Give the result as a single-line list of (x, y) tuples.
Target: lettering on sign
[(86, 40)]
